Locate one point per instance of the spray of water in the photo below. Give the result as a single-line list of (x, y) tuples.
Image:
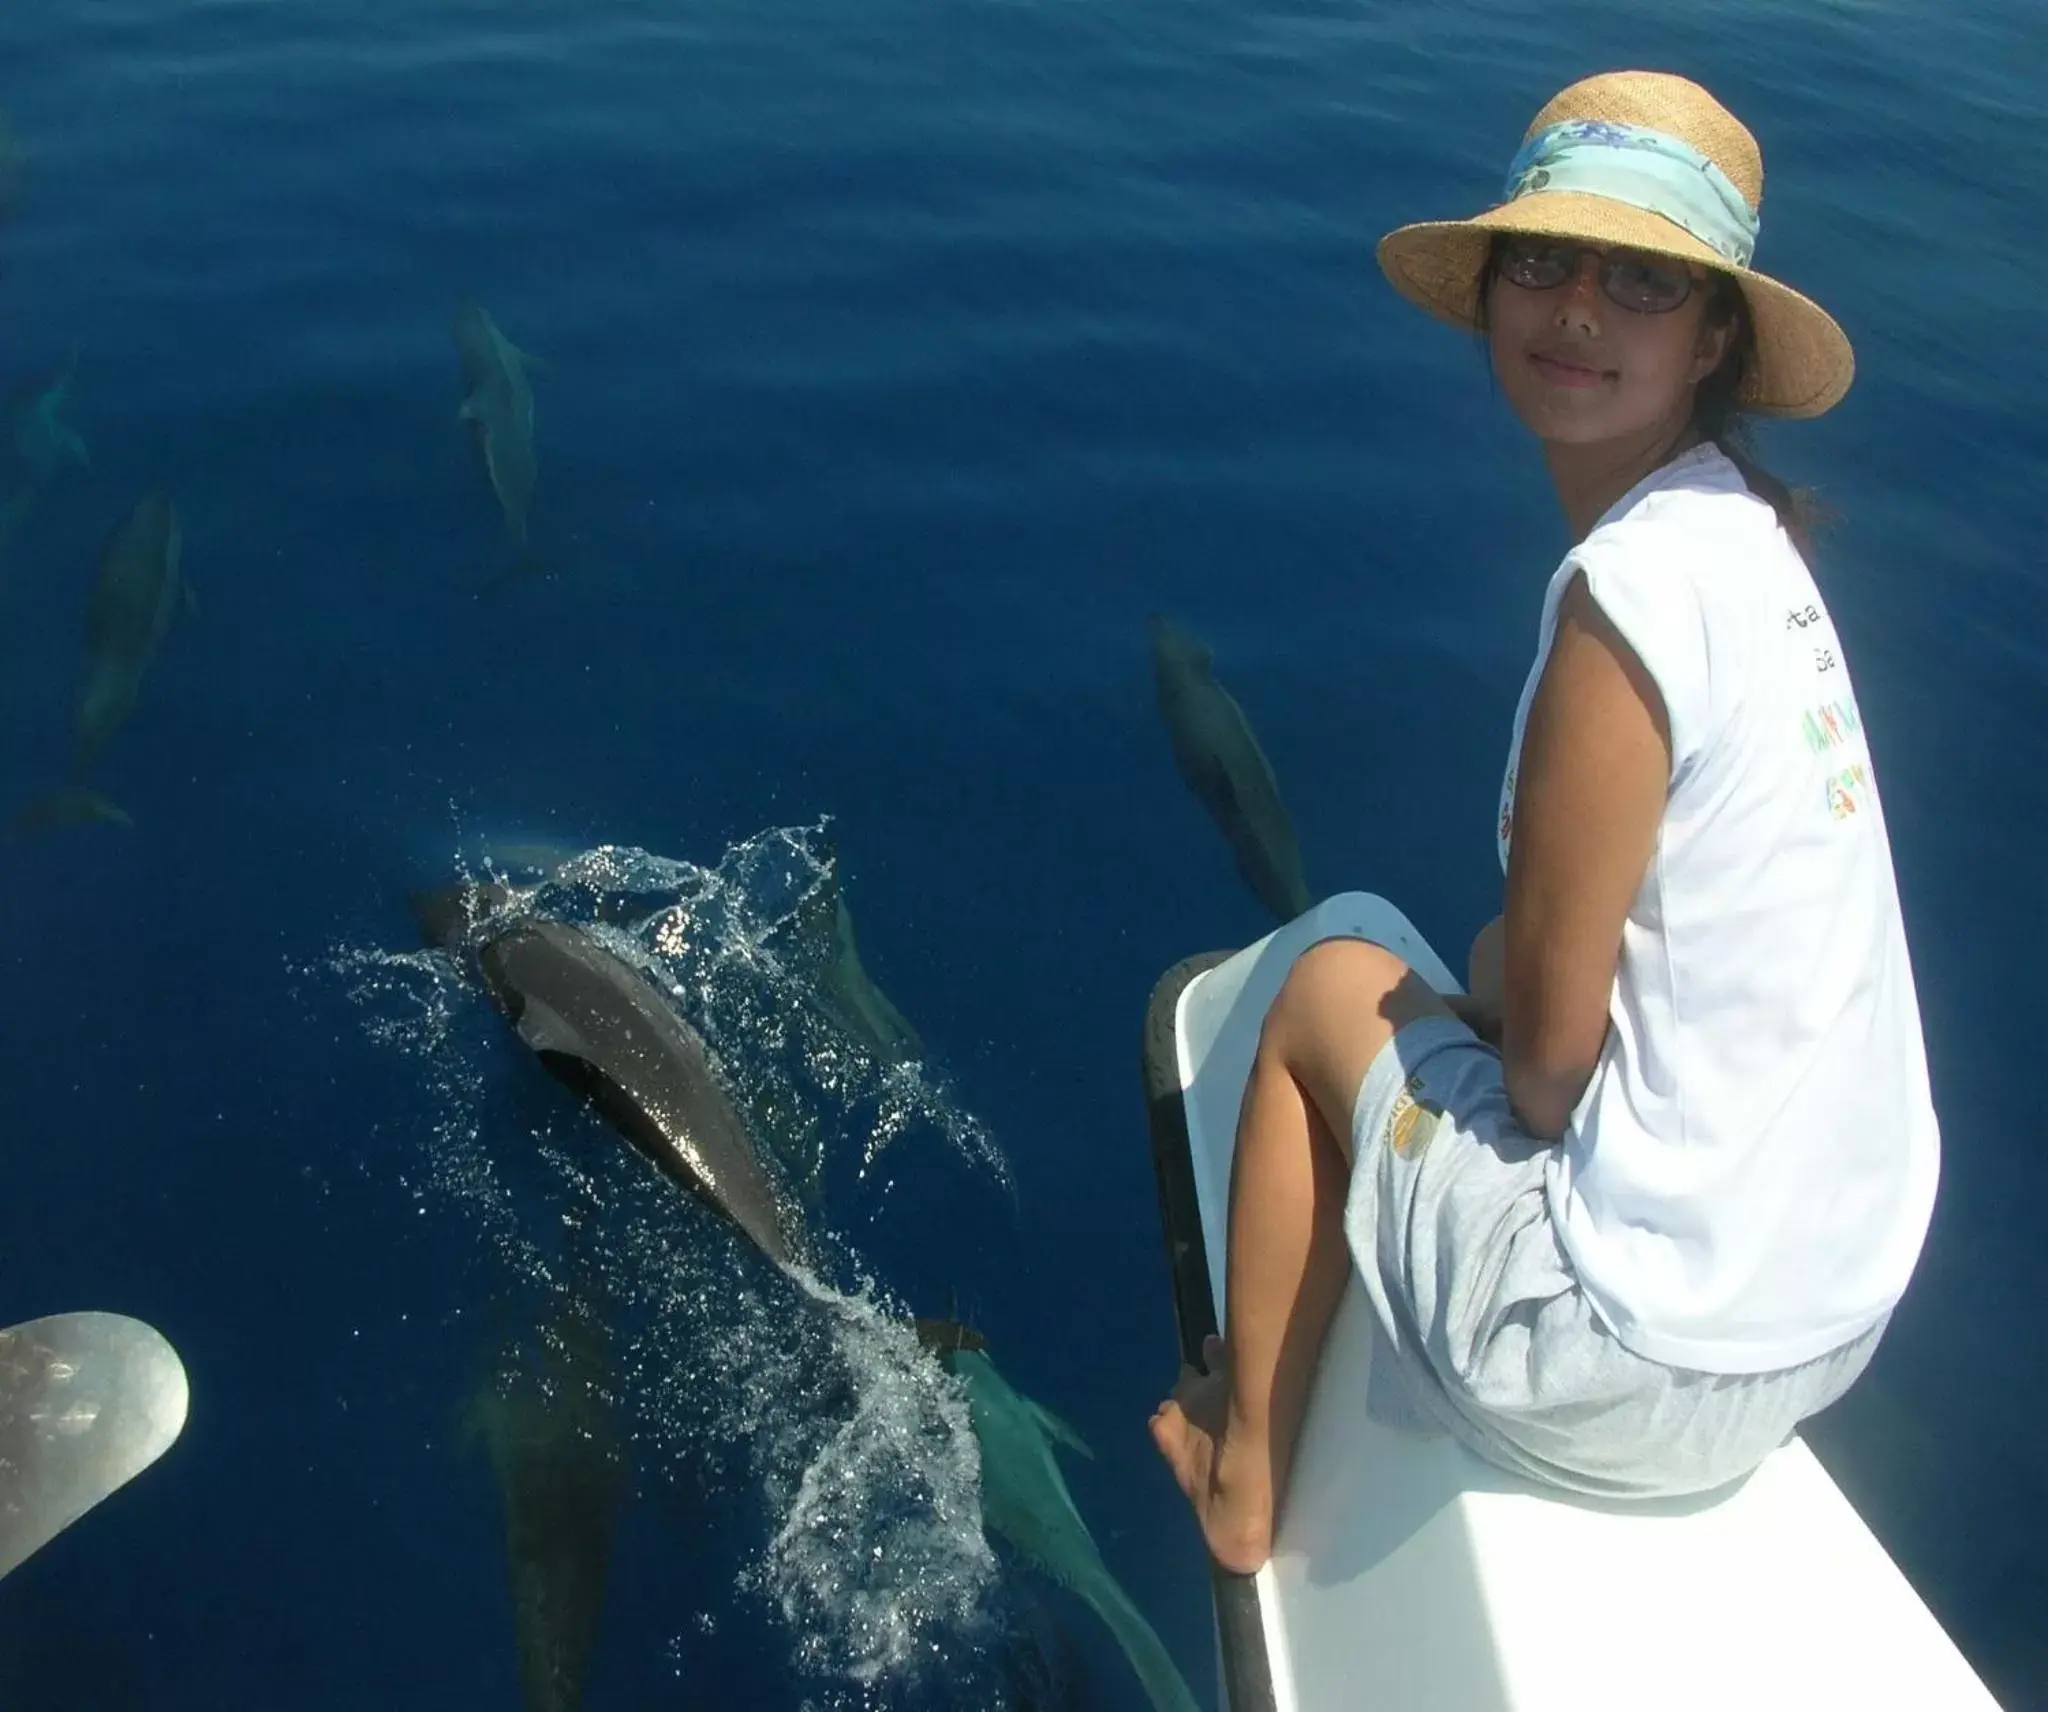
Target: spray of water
[(807, 1386)]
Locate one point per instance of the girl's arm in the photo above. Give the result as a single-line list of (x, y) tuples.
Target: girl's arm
[(1594, 771)]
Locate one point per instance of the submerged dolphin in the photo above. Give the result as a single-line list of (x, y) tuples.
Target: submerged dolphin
[(497, 404), (139, 590), (561, 1474), (849, 992), (75, 805), (1024, 1498), (1222, 763), (601, 1027), (44, 439), (10, 168)]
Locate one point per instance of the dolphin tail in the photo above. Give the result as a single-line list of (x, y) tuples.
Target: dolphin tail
[(1164, 1685), (73, 805)]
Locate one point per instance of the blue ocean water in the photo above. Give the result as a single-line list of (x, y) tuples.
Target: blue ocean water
[(899, 359)]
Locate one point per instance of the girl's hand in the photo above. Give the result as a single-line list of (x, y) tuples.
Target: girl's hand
[(1478, 1014)]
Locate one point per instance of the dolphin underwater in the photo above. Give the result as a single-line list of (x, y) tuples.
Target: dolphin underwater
[(601, 1027), (848, 990), (139, 591), (10, 168), (45, 441), (1221, 762), (1024, 1497), (74, 805), (561, 1475), (136, 595), (497, 404)]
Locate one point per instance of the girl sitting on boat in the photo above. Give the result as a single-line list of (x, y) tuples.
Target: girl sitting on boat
[(1645, 1197)]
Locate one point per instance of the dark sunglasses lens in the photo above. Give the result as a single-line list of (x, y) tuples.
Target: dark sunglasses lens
[(1645, 286), (1537, 267)]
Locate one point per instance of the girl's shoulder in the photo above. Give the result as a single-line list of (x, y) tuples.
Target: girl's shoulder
[(1696, 507), (1698, 576), (1699, 538)]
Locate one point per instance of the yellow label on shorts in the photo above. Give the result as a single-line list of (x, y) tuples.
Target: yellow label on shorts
[(1412, 1122)]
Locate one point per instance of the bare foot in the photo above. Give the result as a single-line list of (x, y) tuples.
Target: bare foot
[(1229, 1484)]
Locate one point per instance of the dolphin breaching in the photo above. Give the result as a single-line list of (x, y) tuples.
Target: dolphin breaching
[(1221, 762), (602, 1028)]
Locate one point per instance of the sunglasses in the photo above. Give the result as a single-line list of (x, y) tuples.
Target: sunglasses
[(1630, 282)]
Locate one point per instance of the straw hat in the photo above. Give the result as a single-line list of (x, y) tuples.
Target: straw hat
[(1651, 127)]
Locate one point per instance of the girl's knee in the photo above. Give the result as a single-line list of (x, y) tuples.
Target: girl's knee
[(1346, 991), (1335, 986), (1341, 1002), (1341, 971)]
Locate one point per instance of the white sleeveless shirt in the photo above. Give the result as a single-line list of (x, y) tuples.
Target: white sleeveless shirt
[(1747, 1181)]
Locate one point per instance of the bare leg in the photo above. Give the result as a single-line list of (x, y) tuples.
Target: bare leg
[(1229, 1434)]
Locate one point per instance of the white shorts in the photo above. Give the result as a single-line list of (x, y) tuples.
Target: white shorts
[(1451, 1232)]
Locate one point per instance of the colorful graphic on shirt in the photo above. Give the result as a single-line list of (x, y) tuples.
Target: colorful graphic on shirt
[(1830, 725), (1846, 791), (1412, 1122)]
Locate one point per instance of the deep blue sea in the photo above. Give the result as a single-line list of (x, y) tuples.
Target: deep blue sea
[(900, 357)]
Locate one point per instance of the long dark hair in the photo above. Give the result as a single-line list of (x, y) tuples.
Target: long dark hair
[(1717, 416), (1716, 412)]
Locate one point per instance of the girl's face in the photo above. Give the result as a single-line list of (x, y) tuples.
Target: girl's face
[(1578, 367)]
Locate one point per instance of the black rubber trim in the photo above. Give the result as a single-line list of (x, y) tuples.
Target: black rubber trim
[(1241, 1637)]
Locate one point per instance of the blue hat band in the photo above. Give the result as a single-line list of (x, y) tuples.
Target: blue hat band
[(1644, 169)]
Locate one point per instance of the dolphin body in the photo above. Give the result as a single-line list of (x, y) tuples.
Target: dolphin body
[(497, 405), (74, 805), (1024, 1497), (1221, 762), (136, 595), (44, 439), (10, 169), (138, 592), (561, 1475), (848, 990), (602, 1028)]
